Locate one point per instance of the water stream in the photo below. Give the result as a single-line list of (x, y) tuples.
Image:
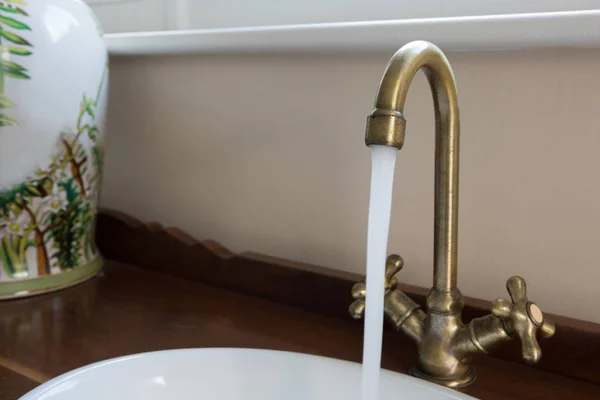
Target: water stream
[(380, 204)]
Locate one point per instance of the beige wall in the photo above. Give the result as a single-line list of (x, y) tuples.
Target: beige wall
[(266, 153)]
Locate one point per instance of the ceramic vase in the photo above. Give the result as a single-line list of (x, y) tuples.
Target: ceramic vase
[(53, 89)]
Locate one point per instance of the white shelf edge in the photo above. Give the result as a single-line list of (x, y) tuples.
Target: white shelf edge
[(488, 32)]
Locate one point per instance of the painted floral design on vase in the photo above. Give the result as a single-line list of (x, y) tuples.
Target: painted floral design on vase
[(53, 89)]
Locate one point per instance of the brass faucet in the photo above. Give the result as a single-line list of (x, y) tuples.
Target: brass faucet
[(445, 343)]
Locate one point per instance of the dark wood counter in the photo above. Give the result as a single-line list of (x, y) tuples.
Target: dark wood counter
[(13, 385), (129, 310)]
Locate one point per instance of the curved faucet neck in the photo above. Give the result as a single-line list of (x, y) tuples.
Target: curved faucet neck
[(386, 126)]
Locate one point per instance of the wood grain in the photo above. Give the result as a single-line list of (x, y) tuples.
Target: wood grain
[(23, 370), (13, 385), (131, 310), (573, 352)]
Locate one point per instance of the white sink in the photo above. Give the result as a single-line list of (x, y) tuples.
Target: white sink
[(228, 374)]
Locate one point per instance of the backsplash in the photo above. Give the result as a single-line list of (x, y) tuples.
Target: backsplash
[(266, 153)]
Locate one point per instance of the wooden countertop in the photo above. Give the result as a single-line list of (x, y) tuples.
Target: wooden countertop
[(13, 385), (131, 310)]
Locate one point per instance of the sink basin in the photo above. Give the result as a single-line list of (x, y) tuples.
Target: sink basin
[(229, 374)]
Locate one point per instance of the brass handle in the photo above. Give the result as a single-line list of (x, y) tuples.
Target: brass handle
[(393, 265), (524, 318)]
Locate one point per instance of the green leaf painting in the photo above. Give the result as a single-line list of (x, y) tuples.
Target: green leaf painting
[(5, 102), (15, 74), (12, 45), (6, 121), (69, 234), (12, 254), (11, 66), (13, 23), (13, 10), (52, 214), (18, 51), (11, 37)]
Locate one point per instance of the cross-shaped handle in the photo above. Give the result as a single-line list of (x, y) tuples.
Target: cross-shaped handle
[(524, 318), (393, 265)]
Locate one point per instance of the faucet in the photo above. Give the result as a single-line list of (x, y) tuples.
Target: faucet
[(445, 343)]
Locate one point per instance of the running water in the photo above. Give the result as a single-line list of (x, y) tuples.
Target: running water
[(380, 204)]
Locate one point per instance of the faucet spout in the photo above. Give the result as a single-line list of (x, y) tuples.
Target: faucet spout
[(386, 126), (445, 343)]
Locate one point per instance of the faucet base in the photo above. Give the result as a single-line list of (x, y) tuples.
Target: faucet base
[(463, 381)]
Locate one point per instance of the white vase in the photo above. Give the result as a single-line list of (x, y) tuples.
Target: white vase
[(53, 90)]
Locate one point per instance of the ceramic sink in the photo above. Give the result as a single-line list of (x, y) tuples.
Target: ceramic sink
[(229, 374)]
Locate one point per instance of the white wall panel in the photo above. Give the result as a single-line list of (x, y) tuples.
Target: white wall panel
[(131, 15)]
